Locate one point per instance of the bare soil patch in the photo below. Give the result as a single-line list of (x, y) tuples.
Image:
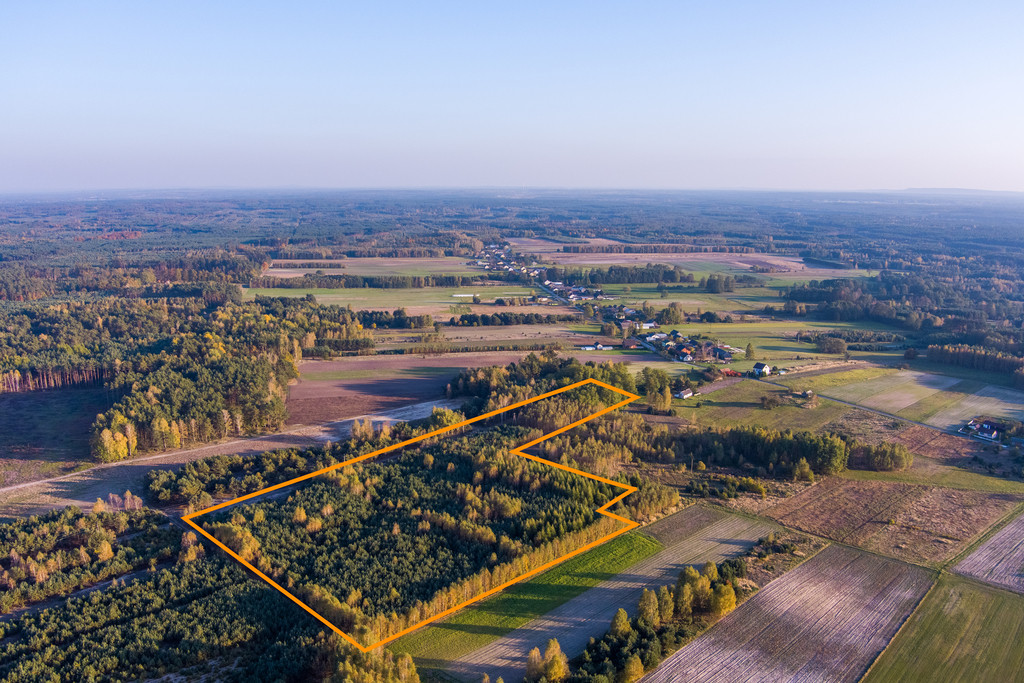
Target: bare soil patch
[(922, 524), (826, 620), (1000, 559)]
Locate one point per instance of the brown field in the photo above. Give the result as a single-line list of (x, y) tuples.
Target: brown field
[(931, 443), (365, 384), (907, 521), (785, 267), (1000, 559), (693, 536), (46, 433), (372, 265), (826, 620)]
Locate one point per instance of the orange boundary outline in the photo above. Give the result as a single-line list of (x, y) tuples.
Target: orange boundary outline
[(629, 524)]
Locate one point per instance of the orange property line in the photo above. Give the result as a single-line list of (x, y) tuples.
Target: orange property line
[(629, 524)]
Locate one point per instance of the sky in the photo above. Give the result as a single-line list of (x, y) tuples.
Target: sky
[(820, 95)]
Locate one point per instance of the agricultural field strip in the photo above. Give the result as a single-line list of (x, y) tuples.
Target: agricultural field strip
[(825, 620), (961, 631), (999, 560), (588, 615)]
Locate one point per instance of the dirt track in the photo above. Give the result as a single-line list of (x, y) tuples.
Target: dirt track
[(692, 536), (826, 620), (83, 488)]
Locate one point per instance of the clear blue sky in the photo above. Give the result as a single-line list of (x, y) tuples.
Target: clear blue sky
[(711, 94)]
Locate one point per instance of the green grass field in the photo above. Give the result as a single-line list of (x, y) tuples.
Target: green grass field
[(692, 298), (939, 400), (479, 624), (739, 405), (931, 473), (961, 631), (438, 298)]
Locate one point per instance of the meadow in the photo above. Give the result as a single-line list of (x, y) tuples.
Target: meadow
[(739, 405), (942, 401)]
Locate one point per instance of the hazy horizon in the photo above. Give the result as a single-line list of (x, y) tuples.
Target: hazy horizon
[(674, 96)]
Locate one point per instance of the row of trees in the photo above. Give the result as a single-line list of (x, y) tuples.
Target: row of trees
[(664, 620)]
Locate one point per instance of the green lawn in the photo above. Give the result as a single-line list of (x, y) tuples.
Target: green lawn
[(739, 405), (479, 624), (962, 631), (822, 383)]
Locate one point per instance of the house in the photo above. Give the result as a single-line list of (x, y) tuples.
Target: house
[(686, 358), (649, 325), (599, 347), (627, 324), (762, 369), (685, 393), (630, 344), (722, 355), (984, 428)]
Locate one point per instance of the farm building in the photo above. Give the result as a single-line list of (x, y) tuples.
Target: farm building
[(983, 428), (631, 344), (685, 393), (722, 355)]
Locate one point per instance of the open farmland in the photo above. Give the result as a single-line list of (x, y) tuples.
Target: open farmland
[(739, 405), (940, 400), (372, 265), (789, 268), (960, 632), (365, 384), (1000, 559), (693, 536), (826, 620), (435, 301), (907, 521)]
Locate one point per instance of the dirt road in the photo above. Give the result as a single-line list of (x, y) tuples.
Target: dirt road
[(83, 488), (692, 536)]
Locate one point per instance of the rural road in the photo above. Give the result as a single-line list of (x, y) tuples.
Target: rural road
[(83, 488), (692, 536)]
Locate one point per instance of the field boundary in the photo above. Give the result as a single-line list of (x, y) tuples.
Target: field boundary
[(520, 451)]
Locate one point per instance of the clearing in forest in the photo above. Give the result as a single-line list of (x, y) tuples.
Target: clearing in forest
[(826, 620), (512, 520)]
